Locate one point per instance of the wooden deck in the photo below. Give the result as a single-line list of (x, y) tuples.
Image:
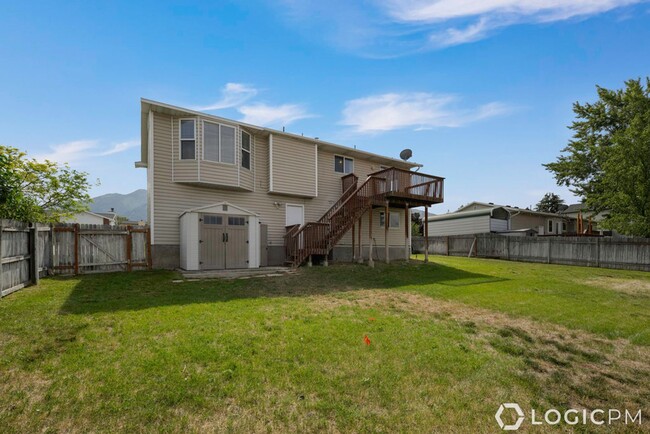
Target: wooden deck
[(390, 187)]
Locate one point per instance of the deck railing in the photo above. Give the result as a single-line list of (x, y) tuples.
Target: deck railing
[(318, 238), (400, 182)]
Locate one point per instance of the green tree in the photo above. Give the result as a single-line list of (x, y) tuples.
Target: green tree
[(417, 227), (551, 202), (39, 191), (607, 162)]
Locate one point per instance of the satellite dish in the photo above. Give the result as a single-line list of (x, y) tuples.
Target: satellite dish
[(406, 154)]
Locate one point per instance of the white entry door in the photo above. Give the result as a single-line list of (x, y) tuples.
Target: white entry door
[(295, 215)]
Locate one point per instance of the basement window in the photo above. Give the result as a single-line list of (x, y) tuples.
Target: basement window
[(393, 221), (343, 164), (187, 139)]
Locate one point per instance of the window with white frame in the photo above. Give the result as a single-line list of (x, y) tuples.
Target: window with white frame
[(187, 139), (393, 221), (343, 164), (550, 226), (245, 150), (218, 143)]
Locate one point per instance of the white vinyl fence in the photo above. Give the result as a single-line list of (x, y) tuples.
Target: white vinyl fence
[(605, 252)]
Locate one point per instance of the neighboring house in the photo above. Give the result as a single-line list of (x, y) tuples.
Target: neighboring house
[(477, 221), (580, 209), (519, 222), (225, 194), (134, 223), (88, 218), (110, 216)]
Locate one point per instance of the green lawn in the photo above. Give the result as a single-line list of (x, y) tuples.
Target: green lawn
[(450, 342)]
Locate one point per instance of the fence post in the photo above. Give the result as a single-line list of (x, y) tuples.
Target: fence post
[(507, 248), (51, 251), (149, 258), (447, 245), (129, 241), (76, 248), (598, 252), (548, 258), (33, 254), (1, 257)]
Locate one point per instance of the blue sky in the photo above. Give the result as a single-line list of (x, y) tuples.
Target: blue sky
[(481, 92)]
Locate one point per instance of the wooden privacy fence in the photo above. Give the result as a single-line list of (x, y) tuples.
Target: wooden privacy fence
[(605, 252), (31, 251)]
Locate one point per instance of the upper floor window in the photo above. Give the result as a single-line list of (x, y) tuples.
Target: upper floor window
[(188, 139), (218, 143), (343, 164), (245, 150), (393, 221), (550, 226)]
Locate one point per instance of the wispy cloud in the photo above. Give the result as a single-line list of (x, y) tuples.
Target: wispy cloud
[(453, 22), (237, 96), (232, 95), (388, 28), (539, 10), (121, 147), (78, 150), (269, 115), (68, 152), (391, 111)]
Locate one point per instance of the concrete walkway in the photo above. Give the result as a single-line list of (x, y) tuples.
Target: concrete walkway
[(242, 273)]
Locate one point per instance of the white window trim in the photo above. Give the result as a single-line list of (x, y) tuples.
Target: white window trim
[(219, 144), (399, 221), (242, 150), (344, 158), (180, 140)]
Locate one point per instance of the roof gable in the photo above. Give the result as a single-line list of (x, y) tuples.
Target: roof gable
[(218, 208)]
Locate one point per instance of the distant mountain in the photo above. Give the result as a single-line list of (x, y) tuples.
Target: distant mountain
[(132, 205)]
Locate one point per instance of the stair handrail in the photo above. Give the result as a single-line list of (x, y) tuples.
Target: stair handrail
[(347, 193)]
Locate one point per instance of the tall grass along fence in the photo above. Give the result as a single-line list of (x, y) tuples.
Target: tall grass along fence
[(31, 251), (621, 253)]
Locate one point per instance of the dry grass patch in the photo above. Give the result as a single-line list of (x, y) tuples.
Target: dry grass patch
[(571, 368), (636, 287)]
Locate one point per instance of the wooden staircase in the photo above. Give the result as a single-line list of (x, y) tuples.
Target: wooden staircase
[(387, 186)]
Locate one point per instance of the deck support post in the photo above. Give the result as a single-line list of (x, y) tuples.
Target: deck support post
[(407, 227), (309, 263), (386, 223), (354, 250), (426, 234), (326, 261), (371, 263), (360, 257)]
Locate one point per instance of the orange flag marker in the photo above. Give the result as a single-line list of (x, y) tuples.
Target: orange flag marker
[(366, 340)]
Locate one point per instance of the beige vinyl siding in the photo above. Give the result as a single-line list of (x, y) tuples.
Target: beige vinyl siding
[(294, 167), (219, 173), (172, 198)]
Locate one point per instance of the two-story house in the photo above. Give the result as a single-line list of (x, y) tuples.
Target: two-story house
[(225, 194)]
